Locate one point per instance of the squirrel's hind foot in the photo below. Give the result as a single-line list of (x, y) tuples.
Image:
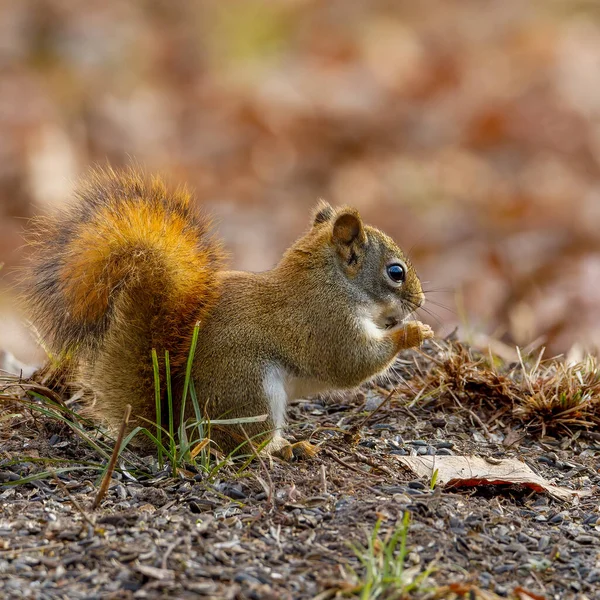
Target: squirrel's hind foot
[(299, 450), (281, 448)]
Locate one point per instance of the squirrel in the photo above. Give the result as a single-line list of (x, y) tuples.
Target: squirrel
[(130, 265)]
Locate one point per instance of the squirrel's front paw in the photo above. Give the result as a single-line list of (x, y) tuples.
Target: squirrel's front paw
[(413, 334)]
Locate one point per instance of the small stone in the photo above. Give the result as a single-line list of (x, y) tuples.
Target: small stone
[(502, 530), (393, 489), (444, 444), (155, 573), (505, 568), (416, 485), (593, 576), (121, 492), (373, 401), (232, 490), (525, 539), (543, 543), (444, 452), (516, 548), (585, 539), (383, 426), (417, 442)]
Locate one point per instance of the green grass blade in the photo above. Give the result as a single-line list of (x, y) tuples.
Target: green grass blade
[(199, 425), (403, 539), (173, 445), (186, 385), (46, 475), (158, 407), (73, 425)]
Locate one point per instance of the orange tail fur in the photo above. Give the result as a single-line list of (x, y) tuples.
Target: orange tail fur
[(128, 261)]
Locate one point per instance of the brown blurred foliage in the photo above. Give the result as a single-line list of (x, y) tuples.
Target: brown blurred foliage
[(467, 129)]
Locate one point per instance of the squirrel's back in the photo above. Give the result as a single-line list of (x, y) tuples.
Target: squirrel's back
[(129, 257)]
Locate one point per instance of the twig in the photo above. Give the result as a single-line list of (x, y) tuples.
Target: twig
[(341, 462), (263, 466), (73, 501), (168, 552), (371, 462), (473, 415), (356, 428), (323, 474), (113, 459), (41, 389), (17, 551)]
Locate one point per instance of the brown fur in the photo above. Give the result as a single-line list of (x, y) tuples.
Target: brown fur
[(130, 267)]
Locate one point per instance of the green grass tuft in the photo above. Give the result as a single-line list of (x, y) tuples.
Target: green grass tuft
[(384, 561), (190, 445)]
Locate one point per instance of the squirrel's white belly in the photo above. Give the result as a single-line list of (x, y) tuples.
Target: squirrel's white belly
[(280, 387)]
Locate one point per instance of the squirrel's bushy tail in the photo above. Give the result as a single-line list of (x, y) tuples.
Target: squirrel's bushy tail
[(127, 267)]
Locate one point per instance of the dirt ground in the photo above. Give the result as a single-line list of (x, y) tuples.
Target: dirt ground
[(283, 531)]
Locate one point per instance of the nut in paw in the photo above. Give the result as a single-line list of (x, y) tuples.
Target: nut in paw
[(415, 333)]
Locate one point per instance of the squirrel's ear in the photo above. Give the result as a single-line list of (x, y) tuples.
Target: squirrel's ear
[(348, 233), (322, 213)]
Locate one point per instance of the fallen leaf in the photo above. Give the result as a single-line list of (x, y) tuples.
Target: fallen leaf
[(457, 471)]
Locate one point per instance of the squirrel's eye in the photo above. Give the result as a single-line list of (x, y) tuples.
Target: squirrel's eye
[(397, 273)]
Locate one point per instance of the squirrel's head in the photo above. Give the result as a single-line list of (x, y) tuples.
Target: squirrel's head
[(359, 262)]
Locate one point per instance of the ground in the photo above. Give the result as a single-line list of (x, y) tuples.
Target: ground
[(285, 530)]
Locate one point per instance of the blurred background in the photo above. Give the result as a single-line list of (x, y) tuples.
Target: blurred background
[(468, 129)]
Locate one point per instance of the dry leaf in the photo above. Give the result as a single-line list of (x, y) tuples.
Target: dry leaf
[(456, 471), (199, 447)]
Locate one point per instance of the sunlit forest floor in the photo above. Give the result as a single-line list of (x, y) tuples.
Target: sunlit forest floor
[(353, 522), (467, 130)]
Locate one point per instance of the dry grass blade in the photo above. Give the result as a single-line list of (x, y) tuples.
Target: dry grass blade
[(263, 467), (73, 501), (356, 428), (113, 459), (543, 396), (564, 397)]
